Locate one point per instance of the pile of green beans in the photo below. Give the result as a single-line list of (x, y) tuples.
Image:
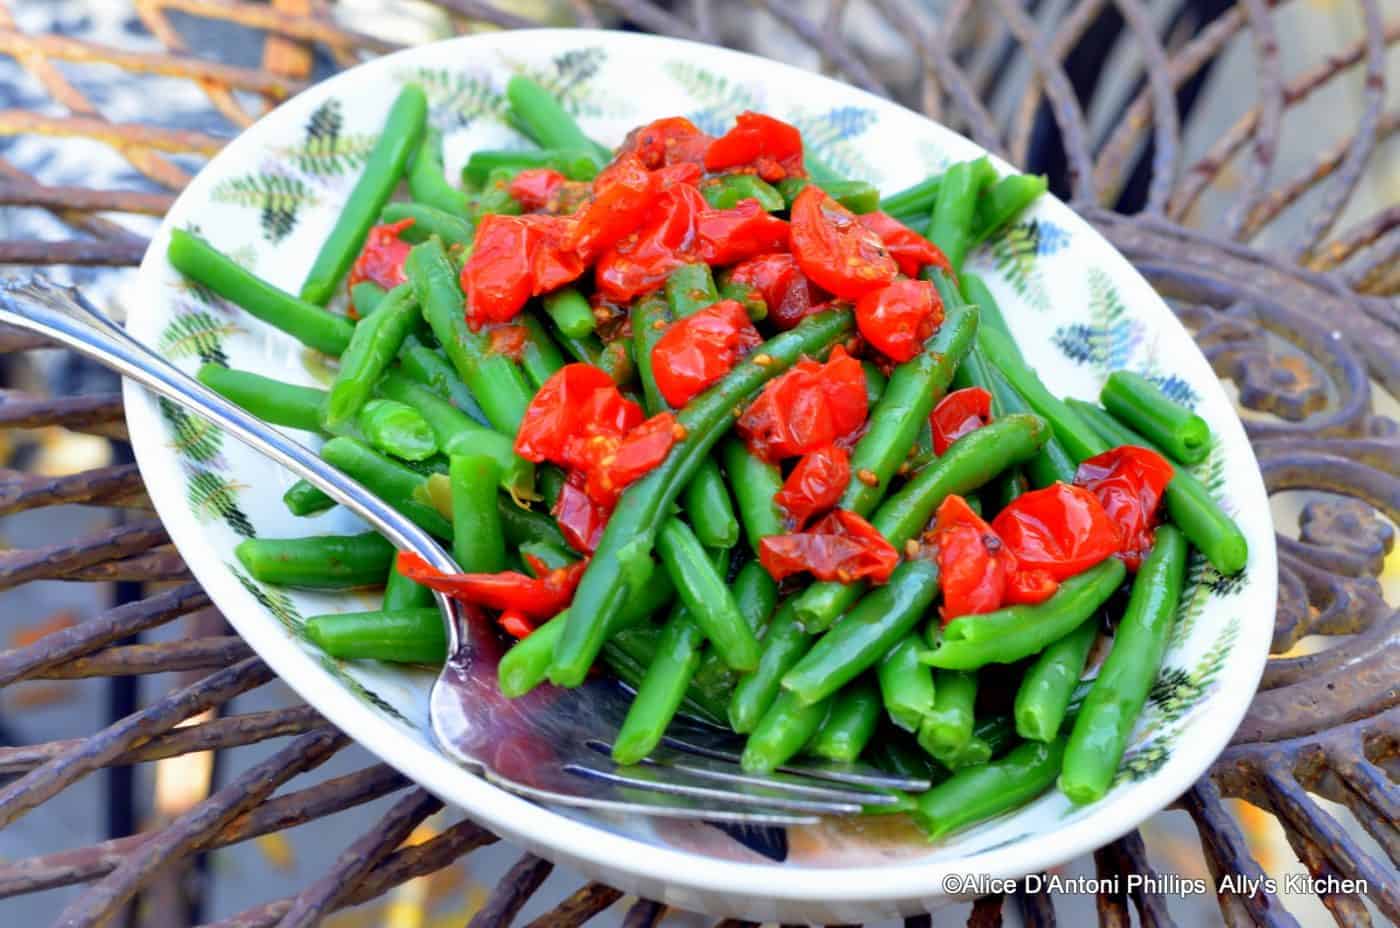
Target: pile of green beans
[(675, 600)]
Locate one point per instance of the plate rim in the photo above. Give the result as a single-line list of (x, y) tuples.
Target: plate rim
[(596, 849)]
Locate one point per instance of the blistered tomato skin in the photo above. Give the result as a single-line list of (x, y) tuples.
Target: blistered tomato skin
[(382, 257), (974, 565), (789, 295), (815, 484), (910, 250), (958, 413), (622, 194), (769, 147), (1129, 481), (535, 597), (580, 519), (514, 258), (697, 351), (577, 400), (810, 406), (537, 188), (1061, 529), (841, 547), (897, 319), (673, 140), (835, 250)]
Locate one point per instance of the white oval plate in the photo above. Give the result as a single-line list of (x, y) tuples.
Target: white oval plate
[(1077, 307)]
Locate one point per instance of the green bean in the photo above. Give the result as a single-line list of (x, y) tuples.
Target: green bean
[(478, 541), (549, 557), (551, 481), (918, 198), (1189, 503), (1074, 434), (540, 357), (284, 404), (376, 341), (849, 725), (495, 198), (1100, 733), (755, 481), (875, 383), (428, 221), (690, 288), (575, 164), (495, 381), (366, 296), (570, 311), (457, 433), (978, 793), (322, 562), (1003, 201), (1043, 697), (913, 390), (969, 463), (1052, 463), (906, 685), (402, 593), (970, 753), (303, 499), (523, 525), (756, 594), (1015, 632), (397, 429), (412, 636), (1142, 406), (705, 595), (545, 121), (388, 479), (818, 170), (427, 178), (307, 322), (953, 210), (977, 292), (893, 752), (785, 729), (857, 196), (526, 665), (427, 367), (650, 316), (949, 726), (747, 295), (401, 134), (625, 548), (783, 646), (662, 688), (875, 625), (726, 190)]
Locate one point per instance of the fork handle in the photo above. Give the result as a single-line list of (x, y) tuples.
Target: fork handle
[(62, 313)]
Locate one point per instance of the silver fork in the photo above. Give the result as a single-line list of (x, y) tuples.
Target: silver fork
[(552, 744)]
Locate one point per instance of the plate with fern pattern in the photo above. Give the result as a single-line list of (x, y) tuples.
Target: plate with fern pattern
[(1077, 307)]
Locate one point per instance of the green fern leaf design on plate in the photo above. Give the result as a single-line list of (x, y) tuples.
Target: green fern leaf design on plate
[(1110, 337), (194, 439), (214, 496), (326, 151), (364, 693), (1177, 691), (1143, 763), (456, 99), (719, 99), (1175, 388), (277, 603), (197, 334), (828, 134), (1016, 252), (279, 199), (1195, 594)]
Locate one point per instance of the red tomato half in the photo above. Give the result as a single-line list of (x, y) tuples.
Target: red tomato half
[(536, 597), (630, 456), (788, 293), (580, 519), (897, 319), (771, 147), (698, 350), (974, 564), (1061, 529), (908, 248), (514, 258), (841, 546), (807, 408), (622, 194), (958, 413), (578, 403), (535, 188), (815, 484), (642, 261), (382, 258), (834, 250), (726, 236), (673, 140), (1129, 481)]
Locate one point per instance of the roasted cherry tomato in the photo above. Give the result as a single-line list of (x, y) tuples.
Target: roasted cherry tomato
[(580, 519), (815, 484), (642, 261), (514, 258), (790, 296), (834, 250), (898, 318), (726, 236), (535, 597), (514, 623), (958, 413), (841, 546), (974, 564), (630, 455), (536, 188), (509, 340), (698, 350), (768, 146), (810, 406), (382, 258), (622, 194), (1062, 530), (578, 404), (1028, 587), (910, 250), (1129, 481), (673, 140)]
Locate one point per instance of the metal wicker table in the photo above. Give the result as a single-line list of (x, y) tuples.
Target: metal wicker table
[(1306, 323)]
